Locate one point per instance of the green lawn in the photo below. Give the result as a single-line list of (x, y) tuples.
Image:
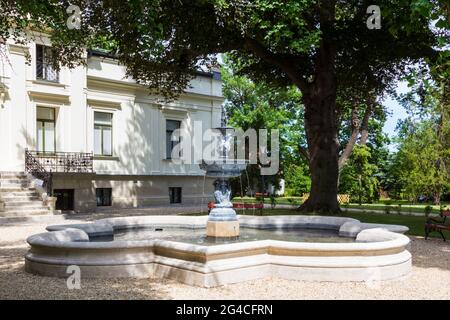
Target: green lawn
[(394, 206), (414, 223), (278, 200)]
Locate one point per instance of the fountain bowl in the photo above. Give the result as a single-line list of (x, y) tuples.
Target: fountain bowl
[(378, 252), (223, 168)]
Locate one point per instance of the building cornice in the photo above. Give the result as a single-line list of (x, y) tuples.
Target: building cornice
[(18, 49), (104, 103), (49, 96), (110, 84)]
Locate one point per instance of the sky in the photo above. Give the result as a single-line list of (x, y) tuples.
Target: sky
[(397, 112)]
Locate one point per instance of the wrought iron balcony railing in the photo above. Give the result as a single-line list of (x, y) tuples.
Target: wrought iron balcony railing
[(67, 162)]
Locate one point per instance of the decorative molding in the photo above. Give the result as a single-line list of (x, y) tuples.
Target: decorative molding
[(111, 84), (48, 83), (63, 98), (172, 109), (111, 158), (108, 104), (18, 49)]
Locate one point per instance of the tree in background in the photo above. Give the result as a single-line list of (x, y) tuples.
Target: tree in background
[(297, 179), (424, 137), (358, 176)]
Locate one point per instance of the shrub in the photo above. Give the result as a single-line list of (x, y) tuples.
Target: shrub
[(273, 201), (428, 209), (387, 209)]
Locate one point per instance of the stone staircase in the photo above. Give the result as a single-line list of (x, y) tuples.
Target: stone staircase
[(19, 197)]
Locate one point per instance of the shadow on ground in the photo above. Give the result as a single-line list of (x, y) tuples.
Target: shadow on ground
[(431, 253), (18, 284)]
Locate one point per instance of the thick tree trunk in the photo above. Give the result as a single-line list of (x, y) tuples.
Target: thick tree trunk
[(437, 198), (321, 131)]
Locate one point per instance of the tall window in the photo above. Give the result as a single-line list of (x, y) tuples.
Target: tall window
[(171, 141), (45, 124), (44, 68), (103, 133)]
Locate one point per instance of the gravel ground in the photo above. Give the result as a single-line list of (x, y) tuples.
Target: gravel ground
[(430, 279)]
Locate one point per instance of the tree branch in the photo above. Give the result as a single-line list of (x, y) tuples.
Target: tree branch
[(365, 123), (353, 137), (357, 128), (277, 60), (304, 152)]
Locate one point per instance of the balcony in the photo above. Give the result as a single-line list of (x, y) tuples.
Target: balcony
[(64, 162)]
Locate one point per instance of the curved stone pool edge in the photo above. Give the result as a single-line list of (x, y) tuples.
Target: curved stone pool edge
[(377, 254)]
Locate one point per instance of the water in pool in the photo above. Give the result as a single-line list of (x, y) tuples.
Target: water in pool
[(198, 236)]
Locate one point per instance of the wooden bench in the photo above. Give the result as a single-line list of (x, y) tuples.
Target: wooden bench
[(437, 225), (248, 205), (342, 198), (260, 194), (240, 205)]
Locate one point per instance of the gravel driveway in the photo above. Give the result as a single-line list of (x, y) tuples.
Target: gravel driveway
[(430, 279)]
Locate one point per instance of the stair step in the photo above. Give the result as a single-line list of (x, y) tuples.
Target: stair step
[(13, 176), (24, 213), (16, 189), (31, 206), (18, 194), (12, 172), (23, 204), (20, 198), (12, 181), (13, 186)]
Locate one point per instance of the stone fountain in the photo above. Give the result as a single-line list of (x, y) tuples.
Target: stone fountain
[(222, 220)]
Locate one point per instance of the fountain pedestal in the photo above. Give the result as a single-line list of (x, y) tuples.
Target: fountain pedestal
[(222, 229), (222, 222)]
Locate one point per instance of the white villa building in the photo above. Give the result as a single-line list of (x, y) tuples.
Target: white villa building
[(103, 139)]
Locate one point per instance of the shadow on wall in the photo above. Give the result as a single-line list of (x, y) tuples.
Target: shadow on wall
[(20, 148)]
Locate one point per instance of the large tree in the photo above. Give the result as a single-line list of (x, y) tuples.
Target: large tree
[(312, 44)]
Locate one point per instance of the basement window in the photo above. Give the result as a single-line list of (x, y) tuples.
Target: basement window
[(175, 195), (104, 197)]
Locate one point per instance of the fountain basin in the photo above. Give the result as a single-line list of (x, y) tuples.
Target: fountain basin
[(376, 253)]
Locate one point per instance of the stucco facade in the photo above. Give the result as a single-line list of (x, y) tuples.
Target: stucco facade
[(137, 170)]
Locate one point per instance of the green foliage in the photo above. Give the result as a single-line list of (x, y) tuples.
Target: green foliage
[(424, 137), (428, 210), (387, 209), (273, 201), (357, 177), (297, 180)]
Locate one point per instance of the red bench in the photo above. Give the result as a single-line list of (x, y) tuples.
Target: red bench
[(240, 205), (433, 224), (259, 194), (248, 205)]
